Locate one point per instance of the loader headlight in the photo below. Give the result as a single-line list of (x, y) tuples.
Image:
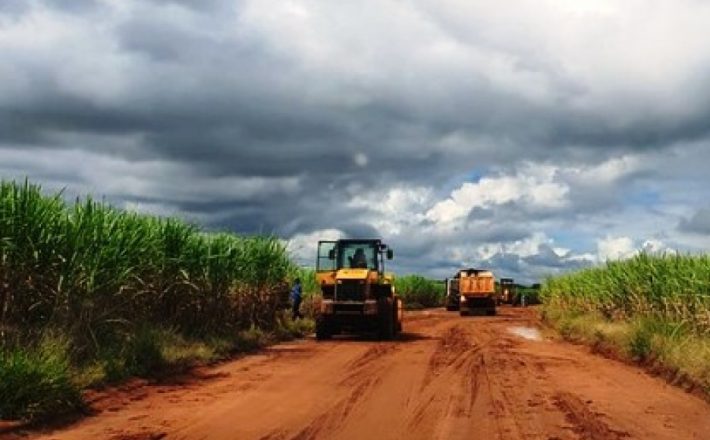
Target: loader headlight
[(462, 299)]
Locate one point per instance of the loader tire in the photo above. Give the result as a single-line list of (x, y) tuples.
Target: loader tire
[(385, 319), (323, 330), (396, 320)]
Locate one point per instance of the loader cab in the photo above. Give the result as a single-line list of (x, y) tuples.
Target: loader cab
[(352, 254), (508, 292), (452, 293)]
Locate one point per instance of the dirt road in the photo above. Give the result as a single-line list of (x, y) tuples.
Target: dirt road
[(447, 378)]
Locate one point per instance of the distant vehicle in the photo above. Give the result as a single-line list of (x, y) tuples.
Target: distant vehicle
[(452, 295), (472, 290), (507, 290), (357, 294)]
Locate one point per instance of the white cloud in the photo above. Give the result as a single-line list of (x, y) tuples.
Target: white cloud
[(394, 209), (537, 187), (605, 173), (531, 187), (622, 247), (523, 248), (655, 246), (615, 248), (304, 247)]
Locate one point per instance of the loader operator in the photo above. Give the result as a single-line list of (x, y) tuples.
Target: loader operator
[(358, 260)]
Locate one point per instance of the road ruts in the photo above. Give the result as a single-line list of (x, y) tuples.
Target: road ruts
[(447, 377)]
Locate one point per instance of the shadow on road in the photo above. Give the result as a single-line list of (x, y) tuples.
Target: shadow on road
[(404, 337)]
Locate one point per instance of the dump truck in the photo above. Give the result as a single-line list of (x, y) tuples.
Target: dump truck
[(452, 295), (476, 291), (507, 290), (357, 294)]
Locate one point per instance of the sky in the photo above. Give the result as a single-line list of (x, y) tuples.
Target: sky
[(529, 137)]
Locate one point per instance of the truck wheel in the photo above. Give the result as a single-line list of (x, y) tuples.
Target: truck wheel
[(385, 318), (491, 307), (322, 329)]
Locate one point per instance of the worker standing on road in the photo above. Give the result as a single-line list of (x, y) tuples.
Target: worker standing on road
[(296, 298)]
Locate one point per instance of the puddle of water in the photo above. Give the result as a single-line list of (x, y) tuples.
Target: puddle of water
[(529, 333)]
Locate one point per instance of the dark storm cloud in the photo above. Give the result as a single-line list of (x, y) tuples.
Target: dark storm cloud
[(513, 213), (18, 7), (249, 110), (198, 5), (548, 258), (600, 133), (284, 217), (698, 223), (13, 7), (345, 103), (355, 230), (72, 6), (245, 101)]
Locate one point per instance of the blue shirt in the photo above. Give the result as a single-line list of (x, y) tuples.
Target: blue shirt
[(296, 292)]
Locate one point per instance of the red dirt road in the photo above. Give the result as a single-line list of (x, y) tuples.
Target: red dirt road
[(447, 378)]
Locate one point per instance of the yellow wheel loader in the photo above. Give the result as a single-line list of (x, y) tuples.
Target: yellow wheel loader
[(508, 293), (358, 296)]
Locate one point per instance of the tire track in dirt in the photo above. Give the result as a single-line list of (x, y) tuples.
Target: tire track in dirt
[(366, 373), (450, 387), (446, 378), (362, 373), (453, 345), (372, 354), (502, 375), (587, 424), (141, 436), (330, 421)]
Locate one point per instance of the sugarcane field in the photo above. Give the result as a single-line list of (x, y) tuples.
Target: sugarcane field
[(397, 220)]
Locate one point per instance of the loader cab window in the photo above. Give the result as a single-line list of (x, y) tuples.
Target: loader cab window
[(358, 256), (326, 260)]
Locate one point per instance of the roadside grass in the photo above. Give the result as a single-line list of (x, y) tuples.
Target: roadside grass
[(670, 288), (418, 292), (40, 382), (651, 309), (667, 348), (532, 295), (37, 382), (90, 294)]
